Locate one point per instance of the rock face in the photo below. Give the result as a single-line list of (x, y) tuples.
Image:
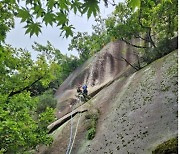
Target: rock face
[(142, 112), (137, 111), (96, 72)]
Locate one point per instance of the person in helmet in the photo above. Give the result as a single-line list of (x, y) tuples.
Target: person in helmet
[(85, 91)]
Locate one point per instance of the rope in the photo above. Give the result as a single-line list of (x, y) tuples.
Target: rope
[(70, 138), (75, 133), (70, 145)]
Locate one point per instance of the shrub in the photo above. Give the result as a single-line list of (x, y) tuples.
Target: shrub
[(163, 48), (46, 100), (46, 118), (91, 128), (91, 133)]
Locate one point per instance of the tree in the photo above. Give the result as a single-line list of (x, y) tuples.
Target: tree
[(6, 20), (87, 45), (27, 104), (20, 129), (50, 12), (151, 22), (148, 21), (66, 64)]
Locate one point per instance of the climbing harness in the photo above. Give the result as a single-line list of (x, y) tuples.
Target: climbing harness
[(71, 142)]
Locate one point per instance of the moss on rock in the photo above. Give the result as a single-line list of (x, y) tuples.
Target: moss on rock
[(168, 147), (92, 117)]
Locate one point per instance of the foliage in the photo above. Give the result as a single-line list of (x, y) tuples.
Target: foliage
[(26, 105), (170, 146), (19, 130), (51, 12), (16, 64), (91, 133), (46, 100), (22, 79), (6, 19), (163, 48), (66, 64), (91, 129), (87, 45), (46, 117), (152, 22), (91, 7), (149, 22), (134, 3)]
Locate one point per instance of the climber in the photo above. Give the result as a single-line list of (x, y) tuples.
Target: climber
[(79, 91), (85, 91), (82, 93)]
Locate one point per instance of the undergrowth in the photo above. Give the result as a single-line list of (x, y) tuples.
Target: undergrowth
[(92, 122), (170, 146)]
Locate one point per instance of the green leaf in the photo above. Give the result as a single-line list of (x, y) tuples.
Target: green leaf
[(23, 14), (63, 5), (91, 7), (68, 30), (76, 5), (49, 18), (38, 11), (134, 4), (61, 18), (50, 4), (12, 1), (33, 28), (163, 1)]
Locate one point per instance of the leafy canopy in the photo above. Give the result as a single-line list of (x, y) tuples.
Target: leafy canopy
[(26, 94), (87, 45), (152, 22), (20, 129), (51, 12), (149, 22)]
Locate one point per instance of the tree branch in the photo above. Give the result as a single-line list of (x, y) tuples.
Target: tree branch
[(137, 46), (150, 38), (148, 28), (25, 88), (138, 36), (127, 62)]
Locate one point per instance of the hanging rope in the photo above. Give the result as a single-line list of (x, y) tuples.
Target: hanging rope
[(71, 143), (70, 138), (75, 133)]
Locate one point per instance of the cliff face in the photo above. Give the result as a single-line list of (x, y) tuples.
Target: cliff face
[(136, 110), (96, 72)]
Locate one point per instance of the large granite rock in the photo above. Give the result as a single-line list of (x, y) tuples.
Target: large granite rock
[(96, 72), (137, 111)]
